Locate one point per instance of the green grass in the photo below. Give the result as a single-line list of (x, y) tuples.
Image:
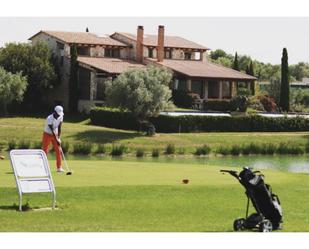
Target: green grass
[(81, 132), (146, 196)]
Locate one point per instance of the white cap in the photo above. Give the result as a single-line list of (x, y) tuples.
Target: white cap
[(59, 110)]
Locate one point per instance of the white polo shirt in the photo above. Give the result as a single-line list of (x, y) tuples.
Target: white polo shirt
[(50, 120)]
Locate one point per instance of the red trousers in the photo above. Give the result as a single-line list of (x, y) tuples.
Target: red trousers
[(47, 139)]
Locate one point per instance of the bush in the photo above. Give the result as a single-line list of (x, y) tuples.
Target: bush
[(36, 145), (183, 98), (268, 149), (307, 147), (65, 147), (140, 152), (285, 148), (203, 150), (235, 150), (164, 123), (155, 153), (239, 103), (181, 151), (82, 148), (24, 144), (218, 105), (118, 150), (170, 149), (12, 144), (224, 150), (101, 149), (114, 118), (268, 103)]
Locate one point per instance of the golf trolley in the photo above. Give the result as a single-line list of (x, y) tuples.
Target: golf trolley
[(268, 214)]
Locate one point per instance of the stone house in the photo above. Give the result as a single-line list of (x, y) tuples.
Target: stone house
[(104, 57)]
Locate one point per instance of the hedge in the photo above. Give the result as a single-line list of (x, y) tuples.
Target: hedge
[(170, 124)]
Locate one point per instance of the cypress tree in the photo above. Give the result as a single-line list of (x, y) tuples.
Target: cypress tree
[(248, 69), (73, 94), (285, 87), (235, 63), (251, 69), (87, 30)]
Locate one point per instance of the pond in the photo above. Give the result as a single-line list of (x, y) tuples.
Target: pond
[(296, 164)]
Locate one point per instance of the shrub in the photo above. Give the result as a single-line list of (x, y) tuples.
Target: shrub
[(140, 152), (24, 144), (224, 150), (218, 105), (285, 148), (268, 103), (181, 151), (307, 147), (82, 148), (155, 153), (235, 150), (36, 145), (12, 144), (268, 149), (170, 149), (164, 123), (101, 149), (245, 149), (203, 150), (118, 150), (255, 103), (254, 148), (183, 98), (239, 103), (65, 147)]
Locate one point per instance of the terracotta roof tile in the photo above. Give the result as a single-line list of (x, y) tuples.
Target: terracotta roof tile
[(203, 69), (110, 65), (169, 41), (82, 38)]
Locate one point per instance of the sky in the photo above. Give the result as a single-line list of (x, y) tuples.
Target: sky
[(262, 38)]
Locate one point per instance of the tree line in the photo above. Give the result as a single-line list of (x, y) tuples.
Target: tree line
[(263, 71)]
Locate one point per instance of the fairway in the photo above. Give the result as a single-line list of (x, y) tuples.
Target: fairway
[(104, 195)]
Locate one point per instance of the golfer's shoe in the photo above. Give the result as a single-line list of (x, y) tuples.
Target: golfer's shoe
[(60, 170)]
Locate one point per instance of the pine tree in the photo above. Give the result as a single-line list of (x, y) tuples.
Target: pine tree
[(235, 63), (285, 86), (73, 94)]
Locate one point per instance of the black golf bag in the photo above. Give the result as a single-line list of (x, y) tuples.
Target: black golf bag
[(268, 214)]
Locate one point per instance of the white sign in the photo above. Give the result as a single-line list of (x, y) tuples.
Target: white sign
[(32, 173)]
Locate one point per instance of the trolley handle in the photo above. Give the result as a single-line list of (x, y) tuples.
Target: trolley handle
[(231, 172)]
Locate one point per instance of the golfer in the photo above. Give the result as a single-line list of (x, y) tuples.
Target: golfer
[(52, 132)]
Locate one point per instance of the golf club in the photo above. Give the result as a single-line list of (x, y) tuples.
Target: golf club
[(69, 172)]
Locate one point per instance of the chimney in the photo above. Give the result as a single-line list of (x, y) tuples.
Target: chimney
[(139, 44), (160, 47)]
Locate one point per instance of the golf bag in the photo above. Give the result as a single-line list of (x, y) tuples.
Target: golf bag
[(268, 214)]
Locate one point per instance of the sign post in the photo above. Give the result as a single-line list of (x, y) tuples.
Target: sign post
[(32, 173)]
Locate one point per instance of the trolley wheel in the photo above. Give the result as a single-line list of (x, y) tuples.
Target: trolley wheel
[(265, 226), (239, 224)]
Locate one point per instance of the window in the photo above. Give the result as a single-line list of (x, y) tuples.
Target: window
[(150, 52), (167, 54), (226, 89), (188, 56), (83, 51), (213, 89), (197, 87), (112, 52)]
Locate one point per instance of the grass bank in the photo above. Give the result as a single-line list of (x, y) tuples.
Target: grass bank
[(79, 131)]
